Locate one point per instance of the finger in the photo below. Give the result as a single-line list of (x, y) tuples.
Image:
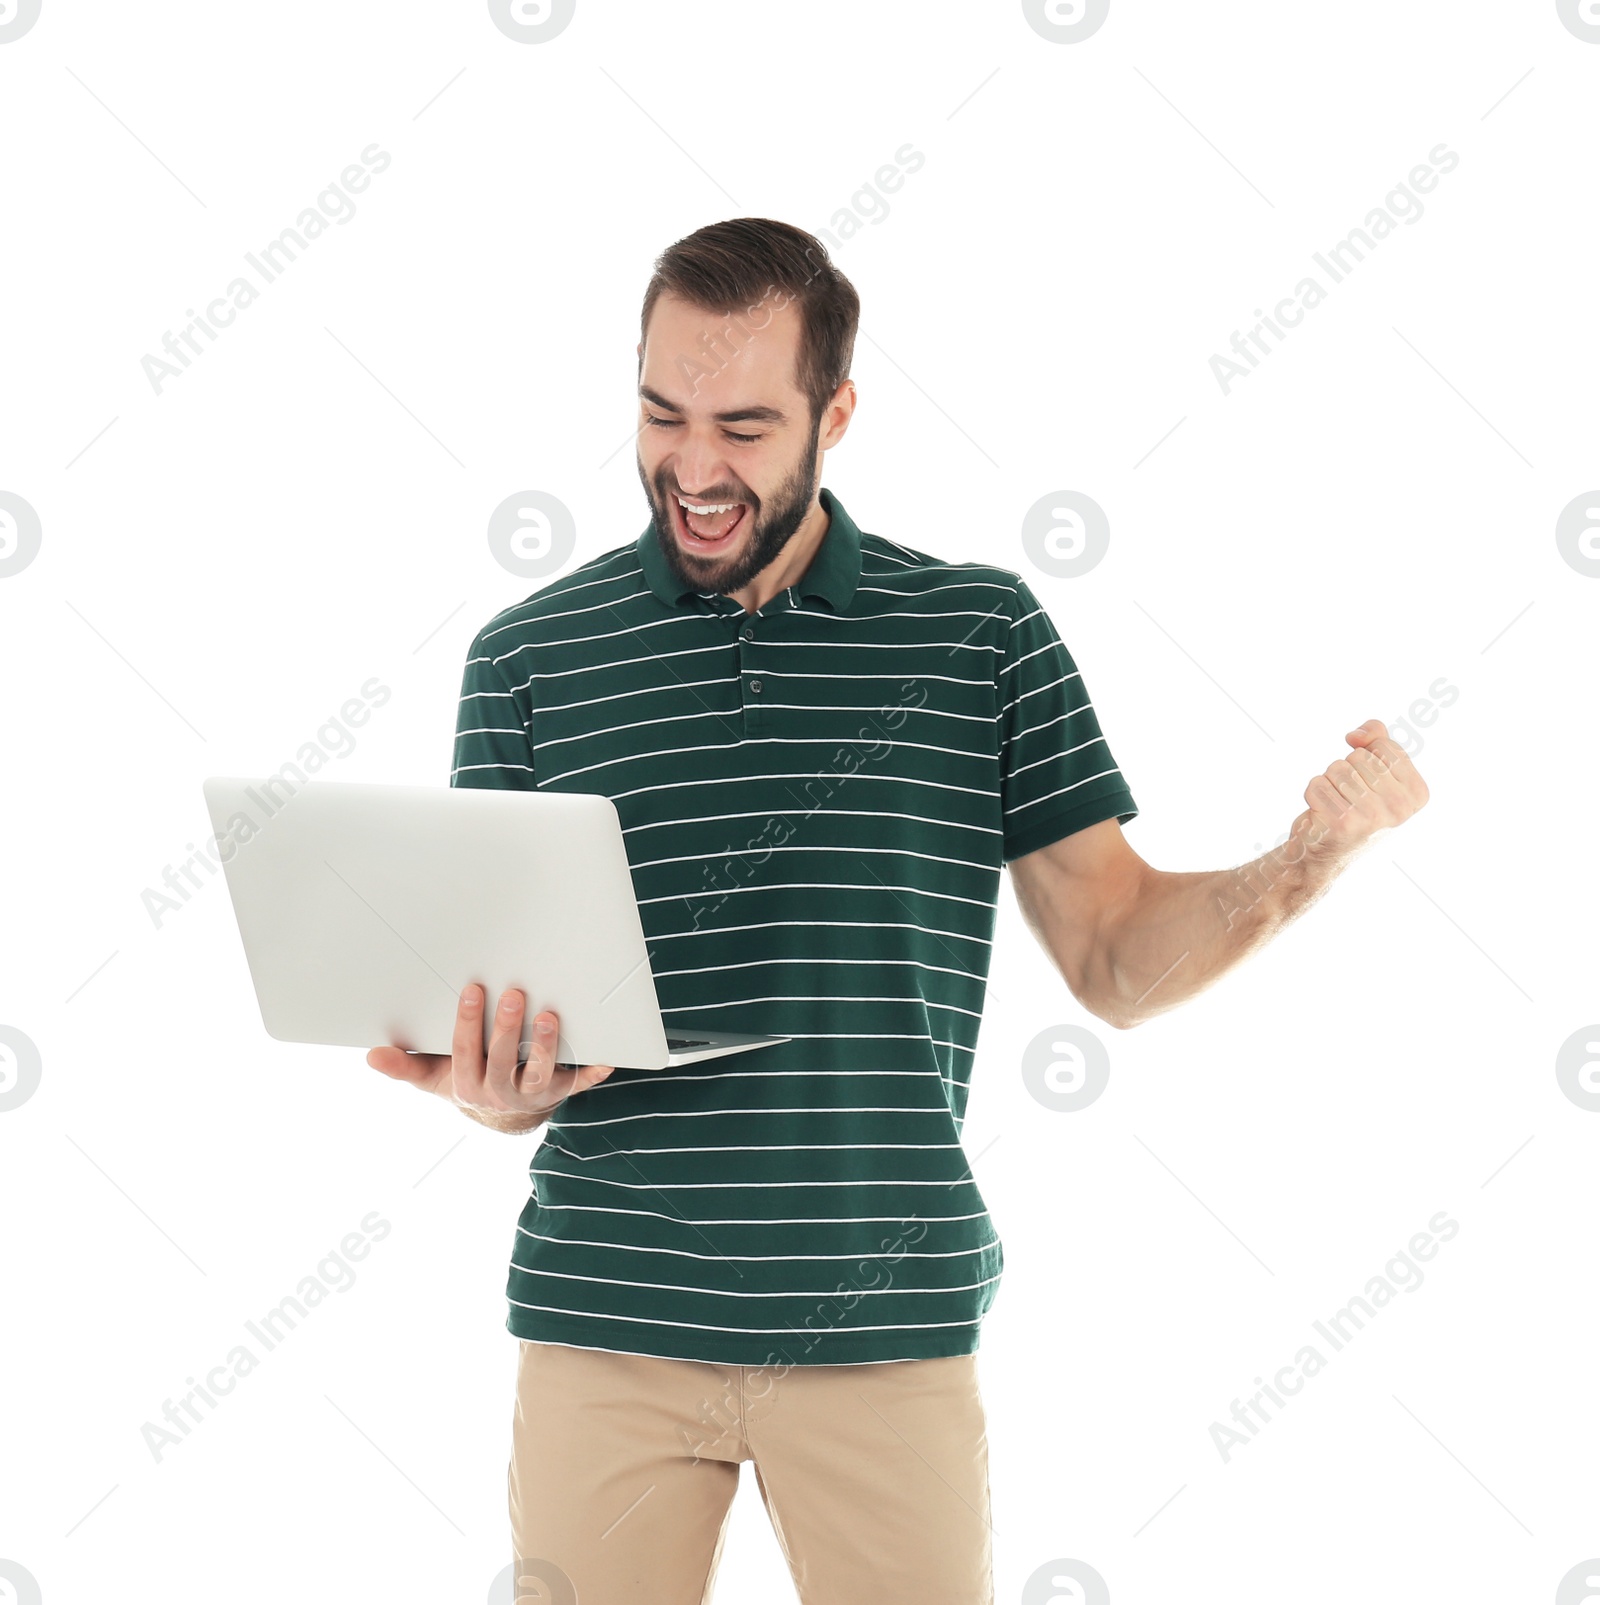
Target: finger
[(1369, 766), (546, 1095), (1368, 731), (544, 1081), (399, 1065), (466, 1044), (1325, 797), (1397, 758), (505, 1041), (1346, 781)]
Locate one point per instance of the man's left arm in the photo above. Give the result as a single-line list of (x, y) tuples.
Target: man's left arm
[(1132, 942)]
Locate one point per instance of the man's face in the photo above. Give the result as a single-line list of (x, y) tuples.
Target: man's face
[(721, 421)]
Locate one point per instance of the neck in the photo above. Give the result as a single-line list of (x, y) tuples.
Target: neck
[(790, 565)]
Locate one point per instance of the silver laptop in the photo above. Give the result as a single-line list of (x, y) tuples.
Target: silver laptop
[(365, 909)]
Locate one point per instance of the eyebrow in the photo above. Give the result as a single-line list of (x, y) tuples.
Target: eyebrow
[(761, 415)]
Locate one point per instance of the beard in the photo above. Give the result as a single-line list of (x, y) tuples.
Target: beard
[(771, 524)]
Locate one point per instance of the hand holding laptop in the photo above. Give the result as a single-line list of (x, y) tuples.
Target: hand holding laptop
[(367, 912), (494, 1089)]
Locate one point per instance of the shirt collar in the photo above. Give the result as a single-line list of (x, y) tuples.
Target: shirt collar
[(834, 572)]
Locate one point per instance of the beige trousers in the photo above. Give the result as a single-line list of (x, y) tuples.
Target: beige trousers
[(624, 1468)]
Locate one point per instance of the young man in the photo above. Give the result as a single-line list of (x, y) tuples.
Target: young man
[(824, 746)]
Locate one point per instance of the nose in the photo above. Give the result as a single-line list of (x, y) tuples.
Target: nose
[(697, 473), (716, 492)]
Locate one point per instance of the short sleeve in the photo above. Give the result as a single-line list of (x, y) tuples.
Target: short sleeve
[(493, 747), (1057, 774)]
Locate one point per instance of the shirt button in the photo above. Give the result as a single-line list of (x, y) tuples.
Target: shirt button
[(747, 635), (755, 685)]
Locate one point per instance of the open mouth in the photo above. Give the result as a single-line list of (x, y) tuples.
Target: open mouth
[(706, 534)]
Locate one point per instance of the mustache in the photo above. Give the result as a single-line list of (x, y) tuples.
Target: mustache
[(707, 500)]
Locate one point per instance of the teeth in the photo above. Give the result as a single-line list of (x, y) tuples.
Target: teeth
[(720, 507)]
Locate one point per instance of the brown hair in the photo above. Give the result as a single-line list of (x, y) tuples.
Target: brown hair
[(729, 268)]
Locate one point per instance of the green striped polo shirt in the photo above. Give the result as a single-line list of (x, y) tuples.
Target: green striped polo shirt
[(817, 799)]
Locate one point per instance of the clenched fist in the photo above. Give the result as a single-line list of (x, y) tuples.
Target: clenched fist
[(1376, 788)]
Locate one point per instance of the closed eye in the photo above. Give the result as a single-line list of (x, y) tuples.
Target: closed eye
[(672, 423)]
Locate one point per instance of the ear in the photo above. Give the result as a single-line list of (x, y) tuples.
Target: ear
[(844, 402)]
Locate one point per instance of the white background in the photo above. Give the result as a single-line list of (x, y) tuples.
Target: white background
[(1371, 510)]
